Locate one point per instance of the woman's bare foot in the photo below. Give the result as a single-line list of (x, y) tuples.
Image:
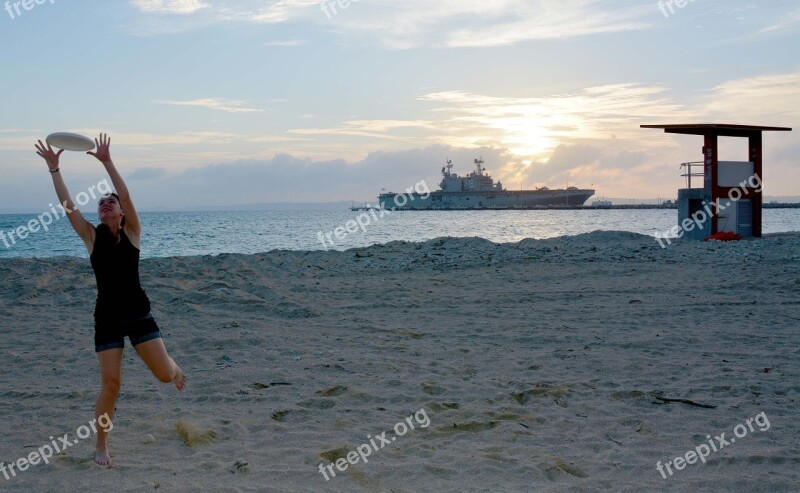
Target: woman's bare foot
[(102, 457), (180, 378)]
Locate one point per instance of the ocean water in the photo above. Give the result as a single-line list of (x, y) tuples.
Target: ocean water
[(167, 234)]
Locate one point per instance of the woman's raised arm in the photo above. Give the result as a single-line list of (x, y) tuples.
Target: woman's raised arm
[(84, 228), (132, 224)]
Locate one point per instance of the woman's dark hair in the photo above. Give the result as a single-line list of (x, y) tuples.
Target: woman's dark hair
[(114, 194)]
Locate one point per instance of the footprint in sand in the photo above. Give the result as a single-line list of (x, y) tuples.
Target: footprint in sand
[(333, 391), (553, 471), (469, 427), (432, 389), (442, 406), (543, 389), (240, 466), (317, 404), (627, 395), (334, 454)]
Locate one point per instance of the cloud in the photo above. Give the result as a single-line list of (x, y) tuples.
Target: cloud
[(567, 157), (537, 125), (415, 23), (480, 23), (593, 135), (147, 174), (135, 139), (550, 20), (529, 127), (765, 97), (280, 11), (286, 43), (169, 6), (379, 129), (787, 22), (219, 104), (455, 23)]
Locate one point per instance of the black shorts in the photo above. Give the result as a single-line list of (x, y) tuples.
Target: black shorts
[(111, 335)]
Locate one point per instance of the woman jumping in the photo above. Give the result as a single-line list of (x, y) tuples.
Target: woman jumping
[(122, 308)]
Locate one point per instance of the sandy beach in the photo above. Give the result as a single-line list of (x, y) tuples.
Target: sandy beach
[(571, 364)]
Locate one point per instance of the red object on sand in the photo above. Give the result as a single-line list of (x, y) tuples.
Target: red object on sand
[(724, 236)]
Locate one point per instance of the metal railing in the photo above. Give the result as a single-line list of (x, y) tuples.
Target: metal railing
[(689, 173)]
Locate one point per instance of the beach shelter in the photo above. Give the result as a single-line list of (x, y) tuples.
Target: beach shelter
[(730, 199)]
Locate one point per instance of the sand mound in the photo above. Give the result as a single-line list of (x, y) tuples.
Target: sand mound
[(193, 434)]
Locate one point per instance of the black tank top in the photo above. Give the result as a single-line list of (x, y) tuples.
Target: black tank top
[(116, 267)]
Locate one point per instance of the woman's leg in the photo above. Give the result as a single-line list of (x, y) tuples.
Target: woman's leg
[(110, 377), (154, 354)]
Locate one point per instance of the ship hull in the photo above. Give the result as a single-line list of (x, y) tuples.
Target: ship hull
[(507, 199)]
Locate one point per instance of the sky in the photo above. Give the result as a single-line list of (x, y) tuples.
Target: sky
[(215, 103)]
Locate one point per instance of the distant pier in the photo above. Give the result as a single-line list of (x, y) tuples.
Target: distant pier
[(771, 205)]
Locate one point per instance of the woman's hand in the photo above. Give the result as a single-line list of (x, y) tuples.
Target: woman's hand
[(103, 153), (49, 155)]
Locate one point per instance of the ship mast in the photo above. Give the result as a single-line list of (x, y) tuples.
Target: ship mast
[(479, 165), (447, 168)]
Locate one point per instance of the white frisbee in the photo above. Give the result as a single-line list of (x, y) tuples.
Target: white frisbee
[(70, 142)]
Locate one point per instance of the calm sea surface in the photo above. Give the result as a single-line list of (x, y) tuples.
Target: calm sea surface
[(168, 234)]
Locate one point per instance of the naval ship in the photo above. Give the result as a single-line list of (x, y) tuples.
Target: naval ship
[(477, 190)]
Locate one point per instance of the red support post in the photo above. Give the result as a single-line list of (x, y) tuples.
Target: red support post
[(711, 160), (756, 145)]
